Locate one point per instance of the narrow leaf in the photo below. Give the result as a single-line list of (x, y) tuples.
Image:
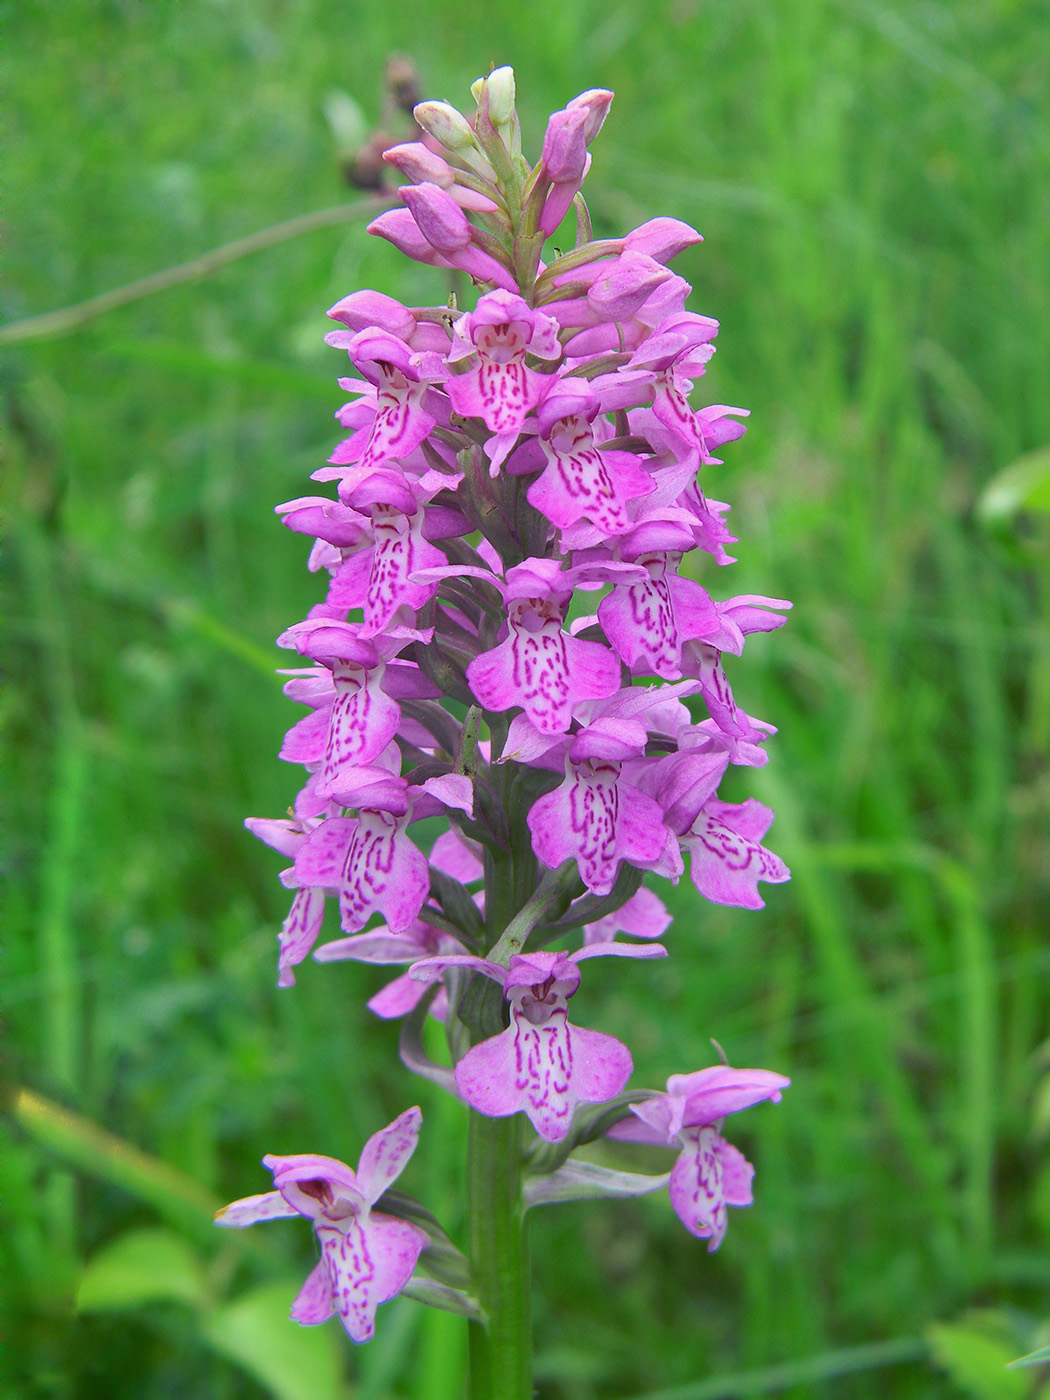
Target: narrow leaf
[(410, 1047), (436, 1295), (582, 1181)]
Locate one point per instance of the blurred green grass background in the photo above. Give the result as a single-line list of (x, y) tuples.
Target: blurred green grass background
[(873, 182)]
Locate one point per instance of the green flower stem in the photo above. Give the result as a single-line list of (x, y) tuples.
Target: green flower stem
[(501, 1349)]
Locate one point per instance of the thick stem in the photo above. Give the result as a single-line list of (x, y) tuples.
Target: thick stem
[(501, 1350)]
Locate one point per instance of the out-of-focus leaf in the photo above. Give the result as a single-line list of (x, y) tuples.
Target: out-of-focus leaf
[(143, 1266), (976, 1352), (293, 1362), (1023, 485), (184, 1202)]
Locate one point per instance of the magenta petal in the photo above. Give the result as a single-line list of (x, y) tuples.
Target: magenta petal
[(299, 932), (617, 950), (579, 482), (697, 1190), (600, 822), (710, 1094), (643, 916), (401, 422), (398, 998), (383, 871), (658, 1116), (349, 584), (501, 395), (457, 857), (386, 1153), (639, 621), (452, 790), (737, 1176), (751, 818), (314, 1302), (305, 741), (362, 722), (269, 1205), (633, 1130), (545, 671), (398, 1245), (543, 1071), (726, 866), (369, 1261), (282, 834), (487, 1075), (319, 860), (602, 1065), (381, 946), (430, 969)]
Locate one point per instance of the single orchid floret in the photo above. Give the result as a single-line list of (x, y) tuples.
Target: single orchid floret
[(662, 239), (607, 293), (367, 1258), (539, 666), (565, 160), (355, 714), (362, 722), (353, 717), (647, 623), (540, 1065), (598, 818), (401, 379), (580, 481), (727, 859), (331, 521), (379, 578), (501, 389), (710, 1174), (369, 860), (447, 230)]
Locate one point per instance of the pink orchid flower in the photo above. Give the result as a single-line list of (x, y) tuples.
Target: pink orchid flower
[(710, 1174), (540, 1065), (366, 1258)]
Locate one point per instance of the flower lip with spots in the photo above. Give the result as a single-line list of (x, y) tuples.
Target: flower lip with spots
[(367, 1257)]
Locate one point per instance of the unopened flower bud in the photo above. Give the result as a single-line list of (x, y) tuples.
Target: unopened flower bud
[(440, 219), (421, 165), (565, 147), (662, 239), (500, 87), (418, 163), (445, 124), (595, 102), (624, 285)]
